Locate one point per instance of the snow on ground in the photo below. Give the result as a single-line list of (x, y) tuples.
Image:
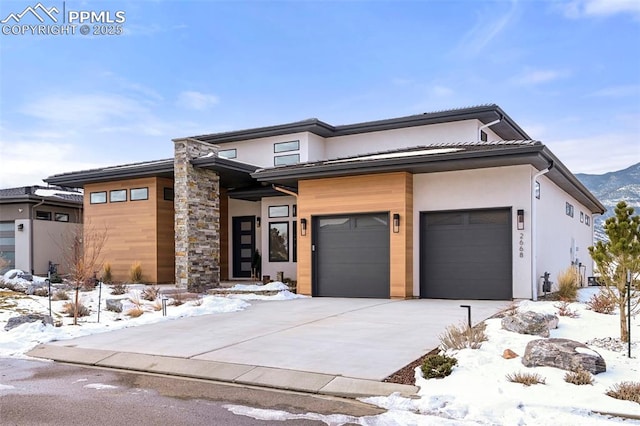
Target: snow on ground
[(475, 393)]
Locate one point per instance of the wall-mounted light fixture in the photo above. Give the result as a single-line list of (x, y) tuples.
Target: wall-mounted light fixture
[(21, 227), (396, 223), (258, 221), (520, 220), (303, 226)]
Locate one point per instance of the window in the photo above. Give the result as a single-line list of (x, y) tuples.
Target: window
[(98, 197), (278, 241), (139, 194), (6, 226), (537, 190), (483, 136), (581, 217), (285, 160), (295, 210), (286, 146), (62, 217), (118, 196), (278, 211), (43, 215), (587, 220), (294, 239), (228, 153), (569, 209), (168, 194)]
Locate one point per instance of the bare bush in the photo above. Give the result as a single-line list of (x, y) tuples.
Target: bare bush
[(526, 379), (151, 293), (579, 377), (107, 276), (461, 337), (41, 292), (602, 302), (119, 288), (628, 391), (157, 305), (564, 310), (135, 312), (178, 298), (75, 310), (60, 295)]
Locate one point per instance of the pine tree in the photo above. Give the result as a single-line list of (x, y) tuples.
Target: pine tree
[(618, 256)]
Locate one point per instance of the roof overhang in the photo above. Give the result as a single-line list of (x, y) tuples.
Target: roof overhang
[(536, 155), (35, 199), (233, 174)]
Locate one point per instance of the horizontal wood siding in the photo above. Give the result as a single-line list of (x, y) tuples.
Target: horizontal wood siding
[(132, 227), (224, 235), (166, 258), (389, 192)]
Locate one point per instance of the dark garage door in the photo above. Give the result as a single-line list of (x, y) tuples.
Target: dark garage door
[(351, 255), (466, 255)]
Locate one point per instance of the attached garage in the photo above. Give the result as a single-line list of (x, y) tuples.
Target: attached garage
[(351, 255), (466, 254)]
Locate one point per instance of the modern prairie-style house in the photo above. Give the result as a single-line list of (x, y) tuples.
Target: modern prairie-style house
[(455, 204), (33, 223)]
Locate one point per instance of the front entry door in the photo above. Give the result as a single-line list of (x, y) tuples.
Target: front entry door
[(244, 244)]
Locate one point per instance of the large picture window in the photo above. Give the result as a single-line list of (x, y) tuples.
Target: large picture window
[(278, 241)]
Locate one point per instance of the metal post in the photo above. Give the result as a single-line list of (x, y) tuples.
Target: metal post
[(468, 314), (49, 283), (629, 312), (164, 306), (99, 297)]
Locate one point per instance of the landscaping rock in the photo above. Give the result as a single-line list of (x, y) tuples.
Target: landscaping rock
[(564, 354), (509, 354), (31, 290), (530, 323), (23, 319), (114, 305)]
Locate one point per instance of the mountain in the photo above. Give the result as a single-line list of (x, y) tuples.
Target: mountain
[(611, 188)]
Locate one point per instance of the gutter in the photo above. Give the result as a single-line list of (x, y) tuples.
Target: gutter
[(534, 239), (284, 190), (487, 125)]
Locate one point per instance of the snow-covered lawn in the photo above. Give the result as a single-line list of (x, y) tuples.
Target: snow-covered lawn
[(477, 391)]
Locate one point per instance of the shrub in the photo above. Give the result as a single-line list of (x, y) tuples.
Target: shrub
[(565, 311), (568, 285), (602, 303), (178, 298), (437, 366), (157, 305), (461, 337), (119, 288), (60, 295), (70, 307), (526, 379), (135, 312), (107, 277), (135, 272), (55, 278), (151, 293), (579, 377), (42, 292), (628, 391)]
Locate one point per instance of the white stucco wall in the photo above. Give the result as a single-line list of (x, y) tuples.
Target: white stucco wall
[(315, 150), (561, 238), (499, 187), (242, 208), (23, 242), (365, 143), (272, 268), (259, 152)]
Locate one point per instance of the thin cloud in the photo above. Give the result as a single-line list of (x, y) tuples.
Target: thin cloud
[(196, 100), (487, 28), (617, 91), (535, 77), (601, 8)]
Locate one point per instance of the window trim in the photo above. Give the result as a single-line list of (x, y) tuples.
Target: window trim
[(277, 144), (278, 215), (276, 157), (288, 249), (111, 200), (91, 195), (230, 157), (48, 215), (146, 188), (568, 209)]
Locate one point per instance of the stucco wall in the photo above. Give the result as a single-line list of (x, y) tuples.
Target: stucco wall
[(48, 244), (259, 152), (558, 234), (505, 187)]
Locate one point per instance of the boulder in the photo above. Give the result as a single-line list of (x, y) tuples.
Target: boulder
[(530, 323), (509, 354), (31, 290), (564, 354), (23, 319), (114, 305)]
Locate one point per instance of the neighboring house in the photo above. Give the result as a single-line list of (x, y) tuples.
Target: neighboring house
[(33, 223), (453, 204)]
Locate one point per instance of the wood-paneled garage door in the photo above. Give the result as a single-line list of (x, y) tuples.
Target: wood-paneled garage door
[(466, 255), (351, 255)]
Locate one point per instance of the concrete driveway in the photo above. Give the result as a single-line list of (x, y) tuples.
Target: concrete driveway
[(283, 343)]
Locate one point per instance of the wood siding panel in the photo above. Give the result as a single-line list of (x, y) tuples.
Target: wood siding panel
[(389, 192), (224, 235), (166, 258), (132, 227)]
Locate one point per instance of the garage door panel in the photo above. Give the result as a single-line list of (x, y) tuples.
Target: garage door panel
[(466, 255), (352, 256)]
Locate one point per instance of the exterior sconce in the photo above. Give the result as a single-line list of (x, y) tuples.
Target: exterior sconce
[(396, 223), (258, 221), (303, 226), (520, 220), (21, 227)]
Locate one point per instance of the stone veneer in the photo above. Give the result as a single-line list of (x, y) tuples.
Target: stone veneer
[(197, 217)]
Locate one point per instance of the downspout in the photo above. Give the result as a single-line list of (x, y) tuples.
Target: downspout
[(31, 216), (534, 242), (284, 190), (487, 125)]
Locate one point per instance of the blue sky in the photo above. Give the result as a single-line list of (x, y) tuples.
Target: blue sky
[(567, 71)]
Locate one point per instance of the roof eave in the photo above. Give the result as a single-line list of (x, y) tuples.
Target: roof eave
[(79, 179)]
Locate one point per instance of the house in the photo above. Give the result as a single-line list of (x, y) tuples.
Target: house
[(33, 223), (452, 204)]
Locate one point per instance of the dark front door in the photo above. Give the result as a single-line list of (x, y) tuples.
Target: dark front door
[(244, 244)]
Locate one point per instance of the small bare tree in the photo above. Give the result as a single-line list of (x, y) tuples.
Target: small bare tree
[(81, 251)]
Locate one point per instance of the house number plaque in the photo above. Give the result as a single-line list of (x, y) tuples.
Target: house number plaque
[(521, 249)]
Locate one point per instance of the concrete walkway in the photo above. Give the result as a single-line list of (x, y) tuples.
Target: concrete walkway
[(342, 347)]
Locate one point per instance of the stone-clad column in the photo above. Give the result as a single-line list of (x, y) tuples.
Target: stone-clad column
[(197, 217)]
